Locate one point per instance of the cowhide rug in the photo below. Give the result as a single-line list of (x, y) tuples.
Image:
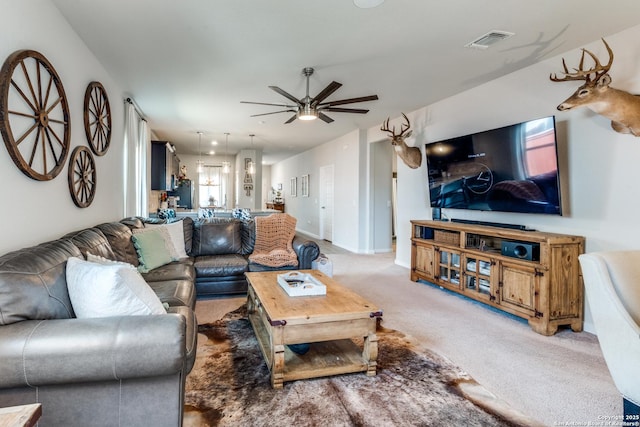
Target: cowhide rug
[(230, 386)]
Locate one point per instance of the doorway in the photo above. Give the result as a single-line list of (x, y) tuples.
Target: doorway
[(382, 197), (326, 202)]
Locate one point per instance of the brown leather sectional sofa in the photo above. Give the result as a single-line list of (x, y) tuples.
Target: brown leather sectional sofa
[(120, 370)]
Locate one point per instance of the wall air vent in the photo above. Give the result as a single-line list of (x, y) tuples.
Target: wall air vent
[(492, 37)]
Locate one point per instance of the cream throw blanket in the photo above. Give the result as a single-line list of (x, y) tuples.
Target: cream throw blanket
[(274, 237)]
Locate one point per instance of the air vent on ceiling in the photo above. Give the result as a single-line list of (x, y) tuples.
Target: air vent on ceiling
[(489, 39)]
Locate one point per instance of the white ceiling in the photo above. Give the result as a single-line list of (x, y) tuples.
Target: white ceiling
[(189, 63)]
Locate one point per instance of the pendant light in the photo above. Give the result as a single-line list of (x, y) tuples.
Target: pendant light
[(200, 167), (252, 165), (226, 166)]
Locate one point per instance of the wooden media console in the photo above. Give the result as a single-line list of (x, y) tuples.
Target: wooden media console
[(530, 274)]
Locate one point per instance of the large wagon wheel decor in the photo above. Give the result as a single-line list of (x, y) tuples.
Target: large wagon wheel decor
[(82, 176), (97, 118), (34, 115)]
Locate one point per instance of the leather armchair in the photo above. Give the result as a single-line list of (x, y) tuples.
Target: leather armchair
[(612, 284)]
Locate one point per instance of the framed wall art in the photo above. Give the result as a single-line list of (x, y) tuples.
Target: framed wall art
[(294, 187), (304, 186)]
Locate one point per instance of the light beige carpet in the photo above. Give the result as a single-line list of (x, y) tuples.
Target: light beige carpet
[(555, 379)]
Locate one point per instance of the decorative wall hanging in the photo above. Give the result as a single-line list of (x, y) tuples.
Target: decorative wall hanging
[(82, 177), (622, 108), (34, 115), (411, 156), (304, 186), (248, 177), (97, 118), (294, 187)]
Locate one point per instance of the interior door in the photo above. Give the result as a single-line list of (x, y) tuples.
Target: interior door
[(326, 202)]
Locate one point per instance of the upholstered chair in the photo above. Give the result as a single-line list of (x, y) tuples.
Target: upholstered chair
[(612, 284)]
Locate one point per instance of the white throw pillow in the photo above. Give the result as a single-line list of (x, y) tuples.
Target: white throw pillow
[(176, 233), (105, 290)]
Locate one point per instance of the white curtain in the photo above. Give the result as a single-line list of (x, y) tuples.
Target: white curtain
[(142, 170), (137, 142)]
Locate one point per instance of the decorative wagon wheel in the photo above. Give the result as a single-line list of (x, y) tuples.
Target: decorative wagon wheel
[(97, 118), (34, 115), (82, 176)]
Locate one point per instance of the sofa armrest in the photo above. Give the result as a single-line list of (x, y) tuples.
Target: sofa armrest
[(62, 351), (307, 251)]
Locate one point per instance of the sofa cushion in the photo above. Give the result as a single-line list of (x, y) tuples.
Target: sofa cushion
[(154, 248), (91, 240), (175, 292), (119, 237), (220, 265), (177, 270), (187, 227), (105, 290), (248, 236), (217, 238), (33, 283)]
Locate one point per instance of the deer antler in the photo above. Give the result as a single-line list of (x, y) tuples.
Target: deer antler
[(403, 128), (580, 73)]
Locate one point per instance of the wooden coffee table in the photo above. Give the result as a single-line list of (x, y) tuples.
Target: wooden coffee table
[(328, 322)]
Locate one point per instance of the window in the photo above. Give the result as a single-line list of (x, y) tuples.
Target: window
[(212, 186)]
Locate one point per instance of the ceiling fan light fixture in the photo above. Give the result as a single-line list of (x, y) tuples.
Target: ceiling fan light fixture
[(306, 112)]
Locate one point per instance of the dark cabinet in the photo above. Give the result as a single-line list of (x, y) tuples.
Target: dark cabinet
[(165, 166), (185, 191)]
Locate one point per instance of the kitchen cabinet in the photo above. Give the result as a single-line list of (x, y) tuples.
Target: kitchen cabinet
[(165, 166), (530, 274)]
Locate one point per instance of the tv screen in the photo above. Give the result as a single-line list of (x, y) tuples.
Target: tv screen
[(509, 169)]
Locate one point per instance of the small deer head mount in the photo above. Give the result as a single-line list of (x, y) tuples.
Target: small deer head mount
[(411, 156), (622, 108)]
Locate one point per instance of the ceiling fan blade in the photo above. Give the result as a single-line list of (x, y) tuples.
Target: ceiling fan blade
[(273, 112), (350, 100), (346, 110), (331, 87), (291, 119), (324, 117), (267, 103), (285, 94)]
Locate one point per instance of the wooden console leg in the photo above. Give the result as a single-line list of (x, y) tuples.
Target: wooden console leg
[(370, 353)]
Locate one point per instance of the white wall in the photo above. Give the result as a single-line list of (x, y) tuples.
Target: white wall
[(36, 211), (344, 153)]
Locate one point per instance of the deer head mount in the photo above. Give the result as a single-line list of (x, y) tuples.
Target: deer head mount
[(622, 108), (411, 156)]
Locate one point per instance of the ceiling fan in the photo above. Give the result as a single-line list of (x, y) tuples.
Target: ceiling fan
[(309, 108)]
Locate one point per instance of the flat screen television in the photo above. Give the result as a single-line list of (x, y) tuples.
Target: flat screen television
[(509, 169)]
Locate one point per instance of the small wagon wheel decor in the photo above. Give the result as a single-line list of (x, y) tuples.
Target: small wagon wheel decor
[(97, 118), (34, 115), (82, 177)]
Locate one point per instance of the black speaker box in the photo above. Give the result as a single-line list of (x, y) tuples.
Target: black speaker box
[(521, 250)]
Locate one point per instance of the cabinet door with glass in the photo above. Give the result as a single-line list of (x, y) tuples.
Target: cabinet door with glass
[(477, 277), (448, 267)]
